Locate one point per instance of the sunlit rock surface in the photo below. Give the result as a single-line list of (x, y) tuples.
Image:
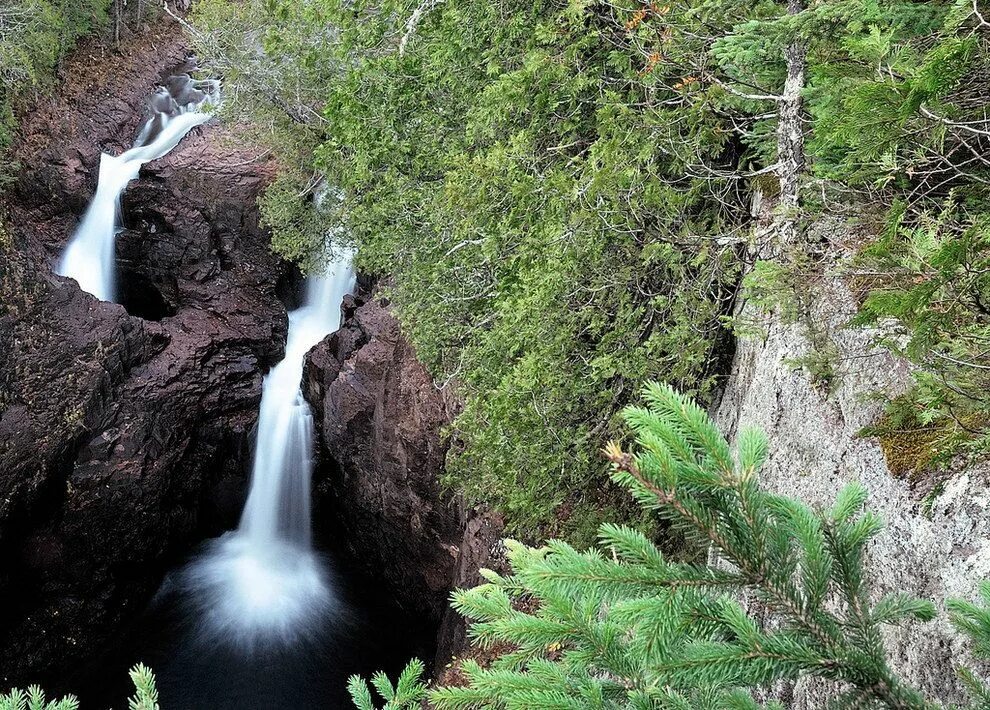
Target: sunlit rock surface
[(935, 550)]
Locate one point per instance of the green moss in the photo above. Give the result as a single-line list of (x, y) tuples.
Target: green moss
[(916, 443), (767, 183), (910, 453)]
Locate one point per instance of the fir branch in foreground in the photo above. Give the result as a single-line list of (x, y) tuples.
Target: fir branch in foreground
[(622, 625)]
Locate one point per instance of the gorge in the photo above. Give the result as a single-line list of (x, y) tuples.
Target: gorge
[(593, 354), (146, 451)]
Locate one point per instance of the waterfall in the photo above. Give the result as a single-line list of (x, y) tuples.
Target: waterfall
[(264, 581), (278, 501), (175, 110)]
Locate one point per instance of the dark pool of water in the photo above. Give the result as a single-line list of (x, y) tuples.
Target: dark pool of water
[(367, 634)]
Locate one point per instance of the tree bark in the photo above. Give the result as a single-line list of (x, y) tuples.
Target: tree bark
[(790, 135), (116, 23)]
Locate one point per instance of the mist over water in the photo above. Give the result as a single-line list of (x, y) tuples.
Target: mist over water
[(175, 109), (263, 583)]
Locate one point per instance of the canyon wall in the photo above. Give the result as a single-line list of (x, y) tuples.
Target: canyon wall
[(123, 439), (125, 430), (380, 421), (935, 545)]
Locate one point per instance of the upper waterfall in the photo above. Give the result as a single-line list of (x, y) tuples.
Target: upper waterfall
[(175, 109)]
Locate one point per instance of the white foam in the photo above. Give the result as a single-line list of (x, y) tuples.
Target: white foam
[(263, 582), (89, 256)]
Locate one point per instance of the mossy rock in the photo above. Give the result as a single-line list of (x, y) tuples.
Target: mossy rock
[(911, 453)]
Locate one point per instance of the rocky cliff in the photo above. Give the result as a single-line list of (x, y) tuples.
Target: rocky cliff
[(123, 431), (380, 420), (934, 545)]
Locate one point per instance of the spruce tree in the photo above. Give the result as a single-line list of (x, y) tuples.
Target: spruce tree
[(626, 625), (145, 695)]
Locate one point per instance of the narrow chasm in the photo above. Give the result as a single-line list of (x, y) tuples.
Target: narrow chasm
[(155, 506), (263, 614)]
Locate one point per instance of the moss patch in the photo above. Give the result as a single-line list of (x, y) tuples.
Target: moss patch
[(911, 453), (913, 448), (917, 446)]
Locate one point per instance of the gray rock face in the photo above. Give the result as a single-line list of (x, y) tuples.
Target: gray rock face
[(815, 450)]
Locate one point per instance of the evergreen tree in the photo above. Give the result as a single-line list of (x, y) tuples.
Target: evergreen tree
[(896, 106), (625, 625), (408, 690), (145, 695)]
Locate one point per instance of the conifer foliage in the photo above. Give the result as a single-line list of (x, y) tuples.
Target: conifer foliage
[(145, 695), (625, 625)]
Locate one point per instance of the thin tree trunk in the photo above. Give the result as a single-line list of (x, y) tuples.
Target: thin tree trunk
[(116, 22), (790, 135)]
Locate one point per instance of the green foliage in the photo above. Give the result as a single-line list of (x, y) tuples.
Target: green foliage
[(513, 174), (145, 691), (938, 288), (623, 625), (544, 187), (408, 690), (884, 77), (899, 112), (555, 190), (34, 36), (285, 207), (974, 621), (145, 695), (34, 699)]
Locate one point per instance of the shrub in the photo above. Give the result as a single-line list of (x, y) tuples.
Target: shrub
[(145, 695)]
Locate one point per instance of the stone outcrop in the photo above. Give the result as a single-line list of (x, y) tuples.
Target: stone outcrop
[(380, 420), (123, 439), (935, 549)]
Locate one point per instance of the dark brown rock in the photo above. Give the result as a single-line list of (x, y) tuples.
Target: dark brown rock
[(380, 420), (121, 438)]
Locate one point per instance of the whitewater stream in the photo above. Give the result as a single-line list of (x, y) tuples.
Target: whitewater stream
[(175, 109), (263, 582), (257, 618)]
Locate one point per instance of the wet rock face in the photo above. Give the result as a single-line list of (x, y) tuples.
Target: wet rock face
[(379, 420), (123, 439)]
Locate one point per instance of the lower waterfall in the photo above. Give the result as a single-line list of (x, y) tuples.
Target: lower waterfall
[(263, 582)]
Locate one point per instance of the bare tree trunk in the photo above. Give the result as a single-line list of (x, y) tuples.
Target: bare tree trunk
[(116, 22), (790, 135)]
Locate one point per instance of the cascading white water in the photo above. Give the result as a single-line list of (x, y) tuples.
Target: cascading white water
[(175, 110), (264, 581)]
